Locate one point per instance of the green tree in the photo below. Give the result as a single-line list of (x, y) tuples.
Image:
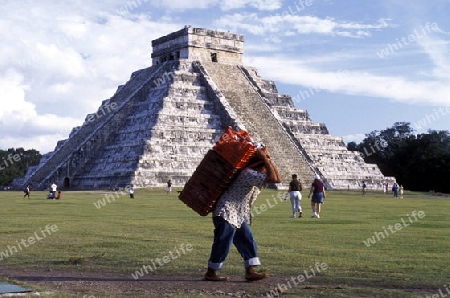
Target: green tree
[(424, 163), (15, 162), (419, 162), (352, 146), (381, 147)]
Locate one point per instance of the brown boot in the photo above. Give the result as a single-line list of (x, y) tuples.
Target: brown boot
[(251, 275), (211, 275)]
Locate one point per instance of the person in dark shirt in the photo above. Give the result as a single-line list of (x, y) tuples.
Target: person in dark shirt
[(296, 196), (169, 186), (27, 192), (318, 195)]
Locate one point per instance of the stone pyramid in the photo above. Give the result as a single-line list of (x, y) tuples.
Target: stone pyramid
[(161, 123)]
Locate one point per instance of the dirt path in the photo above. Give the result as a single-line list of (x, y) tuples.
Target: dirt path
[(86, 284), (100, 284)]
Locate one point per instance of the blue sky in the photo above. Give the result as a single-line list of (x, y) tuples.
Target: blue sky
[(356, 66)]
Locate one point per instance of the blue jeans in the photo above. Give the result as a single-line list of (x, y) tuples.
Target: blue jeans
[(226, 234)]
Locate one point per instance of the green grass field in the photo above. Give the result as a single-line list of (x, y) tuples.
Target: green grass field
[(407, 257)]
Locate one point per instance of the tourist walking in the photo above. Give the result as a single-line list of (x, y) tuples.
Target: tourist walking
[(232, 217), (169, 186), (364, 186), (318, 195), (395, 190), (27, 192), (131, 192), (295, 188)]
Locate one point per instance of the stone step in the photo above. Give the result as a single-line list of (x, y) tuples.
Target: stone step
[(258, 119)]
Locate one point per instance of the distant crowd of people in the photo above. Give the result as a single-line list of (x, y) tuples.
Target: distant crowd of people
[(397, 190), (53, 193), (56, 195)]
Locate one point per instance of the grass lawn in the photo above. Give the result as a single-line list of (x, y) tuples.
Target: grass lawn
[(371, 246)]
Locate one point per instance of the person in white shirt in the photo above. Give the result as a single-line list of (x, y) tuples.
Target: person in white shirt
[(131, 192), (54, 187)]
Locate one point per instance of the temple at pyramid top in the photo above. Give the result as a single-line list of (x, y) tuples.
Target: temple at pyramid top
[(199, 44), (160, 124)]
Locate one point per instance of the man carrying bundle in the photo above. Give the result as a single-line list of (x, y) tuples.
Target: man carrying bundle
[(232, 215)]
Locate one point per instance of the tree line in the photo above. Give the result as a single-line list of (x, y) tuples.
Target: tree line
[(15, 162), (419, 162)]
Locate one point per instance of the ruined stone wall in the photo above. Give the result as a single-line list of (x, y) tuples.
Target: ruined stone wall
[(71, 156), (171, 129), (169, 116), (186, 128), (199, 44), (338, 167), (342, 168)]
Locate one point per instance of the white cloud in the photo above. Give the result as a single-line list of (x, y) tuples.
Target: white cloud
[(330, 26), (437, 50), (58, 63), (20, 124), (124, 8), (398, 88), (237, 22), (182, 4), (357, 138), (12, 99), (289, 24), (258, 4)]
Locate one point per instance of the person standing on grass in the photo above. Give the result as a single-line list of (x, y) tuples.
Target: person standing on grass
[(364, 186), (295, 188), (53, 189), (232, 217), (395, 190), (131, 192), (27, 192), (169, 186), (318, 195)]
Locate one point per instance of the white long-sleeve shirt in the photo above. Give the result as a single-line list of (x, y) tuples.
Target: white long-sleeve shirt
[(235, 203)]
